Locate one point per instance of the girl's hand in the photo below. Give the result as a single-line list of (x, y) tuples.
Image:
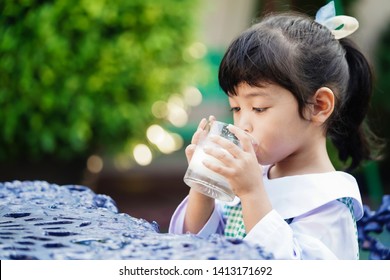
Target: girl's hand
[(240, 166), (199, 133), (244, 174)]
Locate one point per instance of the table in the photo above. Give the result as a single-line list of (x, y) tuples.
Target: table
[(39, 220)]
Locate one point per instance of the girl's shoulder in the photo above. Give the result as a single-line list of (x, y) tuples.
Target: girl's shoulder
[(297, 194)]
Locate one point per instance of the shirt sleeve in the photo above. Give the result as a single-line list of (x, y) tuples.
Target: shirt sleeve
[(328, 232), (215, 224)]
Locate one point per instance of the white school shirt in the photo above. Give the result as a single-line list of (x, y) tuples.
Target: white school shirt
[(322, 226)]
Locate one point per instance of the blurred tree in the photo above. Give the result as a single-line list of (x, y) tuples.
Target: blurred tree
[(80, 76), (381, 99), (382, 63)]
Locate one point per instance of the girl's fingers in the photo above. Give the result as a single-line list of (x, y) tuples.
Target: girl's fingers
[(190, 151), (200, 131), (221, 154), (218, 168), (229, 146), (248, 143), (212, 118)]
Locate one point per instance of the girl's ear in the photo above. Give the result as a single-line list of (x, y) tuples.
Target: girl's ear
[(323, 105)]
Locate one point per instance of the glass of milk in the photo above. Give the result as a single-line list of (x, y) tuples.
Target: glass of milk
[(199, 176)]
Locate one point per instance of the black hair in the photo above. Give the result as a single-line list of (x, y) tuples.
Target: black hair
[(301, 55)]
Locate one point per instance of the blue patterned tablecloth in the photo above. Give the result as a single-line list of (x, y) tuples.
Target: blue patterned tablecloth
[(39, 220)]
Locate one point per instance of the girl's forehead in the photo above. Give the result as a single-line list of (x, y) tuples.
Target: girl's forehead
[(247, 91), (267, 91)]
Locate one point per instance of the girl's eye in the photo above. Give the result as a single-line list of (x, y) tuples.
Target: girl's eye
[(235, 109), (259, 110)]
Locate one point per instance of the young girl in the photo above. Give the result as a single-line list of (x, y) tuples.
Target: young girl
[(291, 84)]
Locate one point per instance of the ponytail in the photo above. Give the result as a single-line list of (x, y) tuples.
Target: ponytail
[(350, 133)]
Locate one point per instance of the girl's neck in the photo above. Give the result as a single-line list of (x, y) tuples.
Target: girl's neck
[(312, 159)]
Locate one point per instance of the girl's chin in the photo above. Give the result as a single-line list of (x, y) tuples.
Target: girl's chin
[(260, 160)]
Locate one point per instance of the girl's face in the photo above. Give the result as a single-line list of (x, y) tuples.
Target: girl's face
[(270, 114)]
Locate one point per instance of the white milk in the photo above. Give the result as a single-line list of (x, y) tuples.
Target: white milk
[(197, 166)]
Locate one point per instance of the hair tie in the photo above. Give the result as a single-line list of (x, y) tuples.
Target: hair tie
[(340, 26)]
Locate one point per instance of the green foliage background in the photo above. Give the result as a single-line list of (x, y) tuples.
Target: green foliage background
[(381, 99), (78, 77)]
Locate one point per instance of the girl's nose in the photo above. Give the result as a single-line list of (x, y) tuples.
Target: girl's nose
[(245, 124)]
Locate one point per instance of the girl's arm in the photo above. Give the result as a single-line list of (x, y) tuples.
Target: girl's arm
[(200, 207), (254, 207), (198, 212)]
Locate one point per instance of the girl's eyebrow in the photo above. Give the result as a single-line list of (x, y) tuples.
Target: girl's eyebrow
[(253, 93), (257, 94)]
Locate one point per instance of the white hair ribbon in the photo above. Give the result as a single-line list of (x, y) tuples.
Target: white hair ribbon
[(340, 26)]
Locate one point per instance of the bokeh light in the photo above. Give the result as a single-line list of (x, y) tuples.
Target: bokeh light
[(165, 141), (192, 96), (142, 154), (95, 164), (177, 114), (159, 109)]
